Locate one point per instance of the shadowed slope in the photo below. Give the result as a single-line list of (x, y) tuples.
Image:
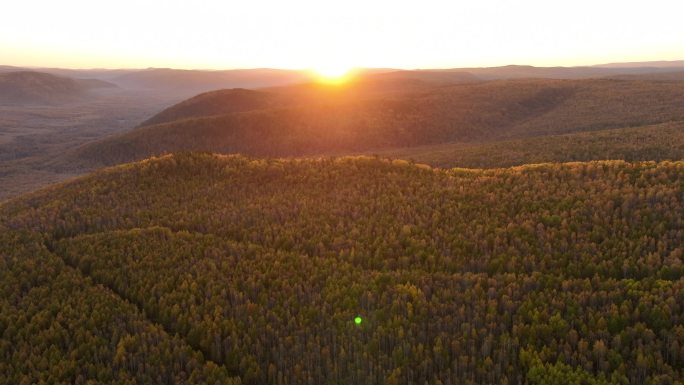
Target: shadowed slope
[(216, 103)]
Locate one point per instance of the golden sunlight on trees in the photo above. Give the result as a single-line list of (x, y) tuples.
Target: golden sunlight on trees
[(197, 268)]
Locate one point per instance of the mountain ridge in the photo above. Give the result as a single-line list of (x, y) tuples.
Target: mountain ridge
[(336, 123), (29, 87)]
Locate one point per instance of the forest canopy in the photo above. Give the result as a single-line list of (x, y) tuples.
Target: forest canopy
[(199, 268)]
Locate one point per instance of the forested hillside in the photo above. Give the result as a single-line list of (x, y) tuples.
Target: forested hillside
[(58, 326), (311, 94), (654, 142), (215, 266), (217, 103), (347, 119)]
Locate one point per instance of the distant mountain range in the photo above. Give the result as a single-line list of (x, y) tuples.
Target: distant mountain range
[(523, 71), (198, 81), (30, 87), (478, 117), (185, 83), (650, 64)]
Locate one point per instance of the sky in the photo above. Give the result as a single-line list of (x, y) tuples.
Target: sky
[(298, 34)]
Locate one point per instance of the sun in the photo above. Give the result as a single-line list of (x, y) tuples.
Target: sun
[(333, 73)]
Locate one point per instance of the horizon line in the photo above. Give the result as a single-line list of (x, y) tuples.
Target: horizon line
[(618, 63)]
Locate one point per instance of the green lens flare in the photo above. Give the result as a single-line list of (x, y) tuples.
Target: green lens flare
[(357, 320)]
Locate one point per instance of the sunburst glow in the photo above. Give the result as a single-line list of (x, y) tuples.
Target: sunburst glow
[(334, 74)]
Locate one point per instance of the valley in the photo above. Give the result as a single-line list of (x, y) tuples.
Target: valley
[(32, 138)]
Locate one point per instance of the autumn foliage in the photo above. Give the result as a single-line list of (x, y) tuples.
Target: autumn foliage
[(195, 268)]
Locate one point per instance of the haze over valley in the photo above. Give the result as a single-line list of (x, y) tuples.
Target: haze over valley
[(55, 127)]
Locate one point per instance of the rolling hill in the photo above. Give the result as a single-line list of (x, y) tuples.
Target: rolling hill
[(658, 142), (198, 268), (660, 64), (363, 87), (219, 102), (381, 111), (434, 76), (526, 71), (335, 120), (30, 88)]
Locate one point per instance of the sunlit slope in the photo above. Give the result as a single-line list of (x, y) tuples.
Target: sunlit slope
[(654, 142), (355, 88), (459, 113), (529, 274)]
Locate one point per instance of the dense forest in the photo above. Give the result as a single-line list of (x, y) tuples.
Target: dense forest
[(198, 268), (58, 326), (318, 120)]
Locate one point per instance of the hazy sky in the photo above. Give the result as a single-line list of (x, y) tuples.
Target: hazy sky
[(313, 34)]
